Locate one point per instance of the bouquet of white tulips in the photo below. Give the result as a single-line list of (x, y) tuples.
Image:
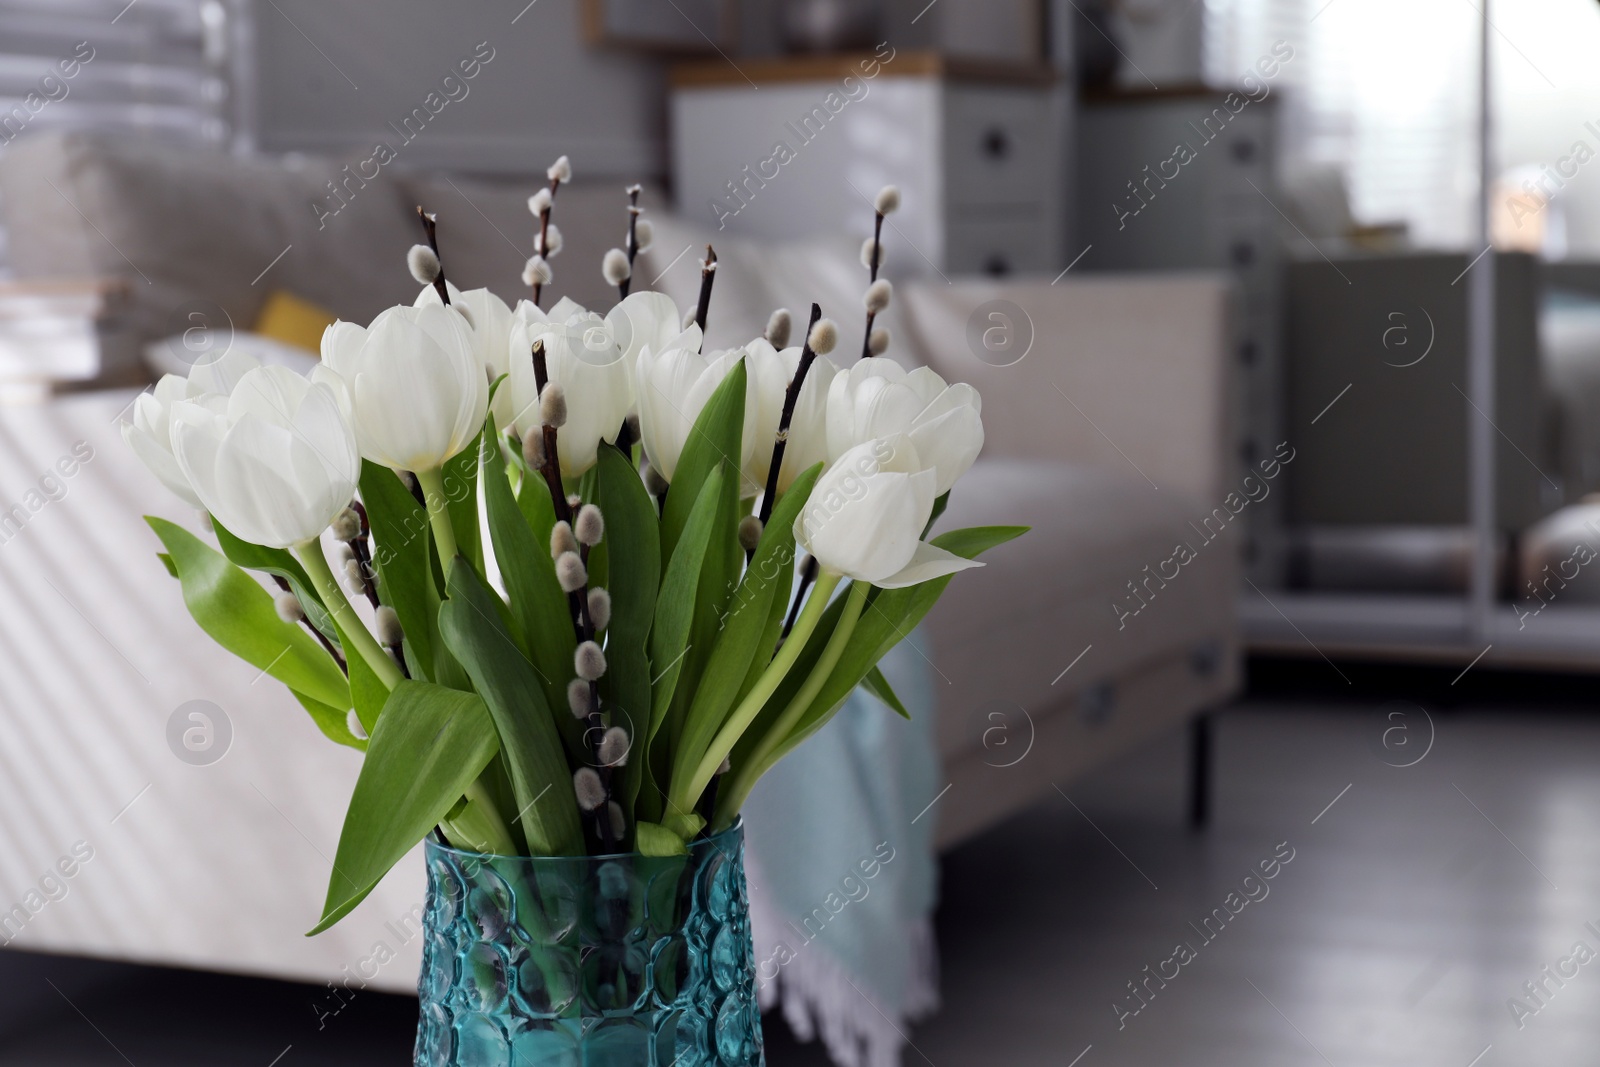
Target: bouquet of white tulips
[(610, 579)]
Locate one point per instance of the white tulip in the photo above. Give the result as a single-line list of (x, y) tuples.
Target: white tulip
[(583, 356), (878, 398), (866, 515), (150, 432), (490, 319), (673, 387), (274, 462), (644, 320), (415, 388), (772, 371)]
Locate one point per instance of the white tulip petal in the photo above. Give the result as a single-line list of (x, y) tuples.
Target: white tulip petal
[(928, 562)]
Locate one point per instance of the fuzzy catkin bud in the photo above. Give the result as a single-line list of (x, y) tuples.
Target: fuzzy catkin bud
[(589, 661), (561, 540), (749, 533), (878, 341), (888, 200), (560, 170), (552, 237), (423, 263), (288, 607), (539, 202), (553, 405), (619, 822), (599, 608), (570, 572), (533, 451), (537, 271), (725, 766), (779, 326), (589, 526), (878, 294), (346, 525), (866, 252), (630, 432), (824, 335), (574, 501), (613, 751), (590, 790), (615, 267), (387, 623), (355, 575), (578, 698), (654, 483), (644, 234)]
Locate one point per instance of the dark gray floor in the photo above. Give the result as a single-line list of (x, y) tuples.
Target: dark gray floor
[(1414, 908)]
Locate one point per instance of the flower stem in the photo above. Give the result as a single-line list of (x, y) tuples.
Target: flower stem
[(686, 795), (350, 625), (855, 601), (432, 482)]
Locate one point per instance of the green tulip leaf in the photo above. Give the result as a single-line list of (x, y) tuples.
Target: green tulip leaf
[(745, 637), (400, 554), (529, 744), (279, 563), (633, 537), (674, 612), (541, 620), (240, 616), (876, 684), (430, 744), (333, 722), (460, 477)]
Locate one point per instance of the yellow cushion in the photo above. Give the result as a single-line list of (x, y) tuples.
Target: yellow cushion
[(287, 318)]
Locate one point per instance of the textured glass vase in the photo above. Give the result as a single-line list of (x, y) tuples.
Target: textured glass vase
[(589, 961)]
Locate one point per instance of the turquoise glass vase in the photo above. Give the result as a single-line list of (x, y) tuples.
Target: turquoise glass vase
[(589, 961)]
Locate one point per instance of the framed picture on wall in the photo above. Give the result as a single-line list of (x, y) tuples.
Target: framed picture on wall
[(680, 27)]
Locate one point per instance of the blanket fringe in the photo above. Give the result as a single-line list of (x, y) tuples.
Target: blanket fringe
[(819, 997)]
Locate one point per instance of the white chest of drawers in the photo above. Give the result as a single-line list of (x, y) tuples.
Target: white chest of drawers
[(786, 149)]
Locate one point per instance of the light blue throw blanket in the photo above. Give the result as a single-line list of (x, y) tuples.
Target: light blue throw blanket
[(843, 877)]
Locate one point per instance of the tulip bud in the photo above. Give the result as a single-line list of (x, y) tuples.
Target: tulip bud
[(824, 335), (537, 271), (553, 405), (613, 750), (346, 525), (590, 790), (779, 326), (570, 572), (533, 450), (866, 252), (387, 623), (599, 608), (878, 293), (561, 540), (560, 170), (289, 609), (539, 202), (589, 526), (878, 341), (654, 483), (589, 661), (552, 236), (615, 267), (578, 698), (424, 264), (749, 533), (352, 722), (888, 200), (619, 822), (644, 234)]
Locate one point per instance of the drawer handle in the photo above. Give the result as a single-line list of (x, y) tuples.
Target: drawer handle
[(996, 143)]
